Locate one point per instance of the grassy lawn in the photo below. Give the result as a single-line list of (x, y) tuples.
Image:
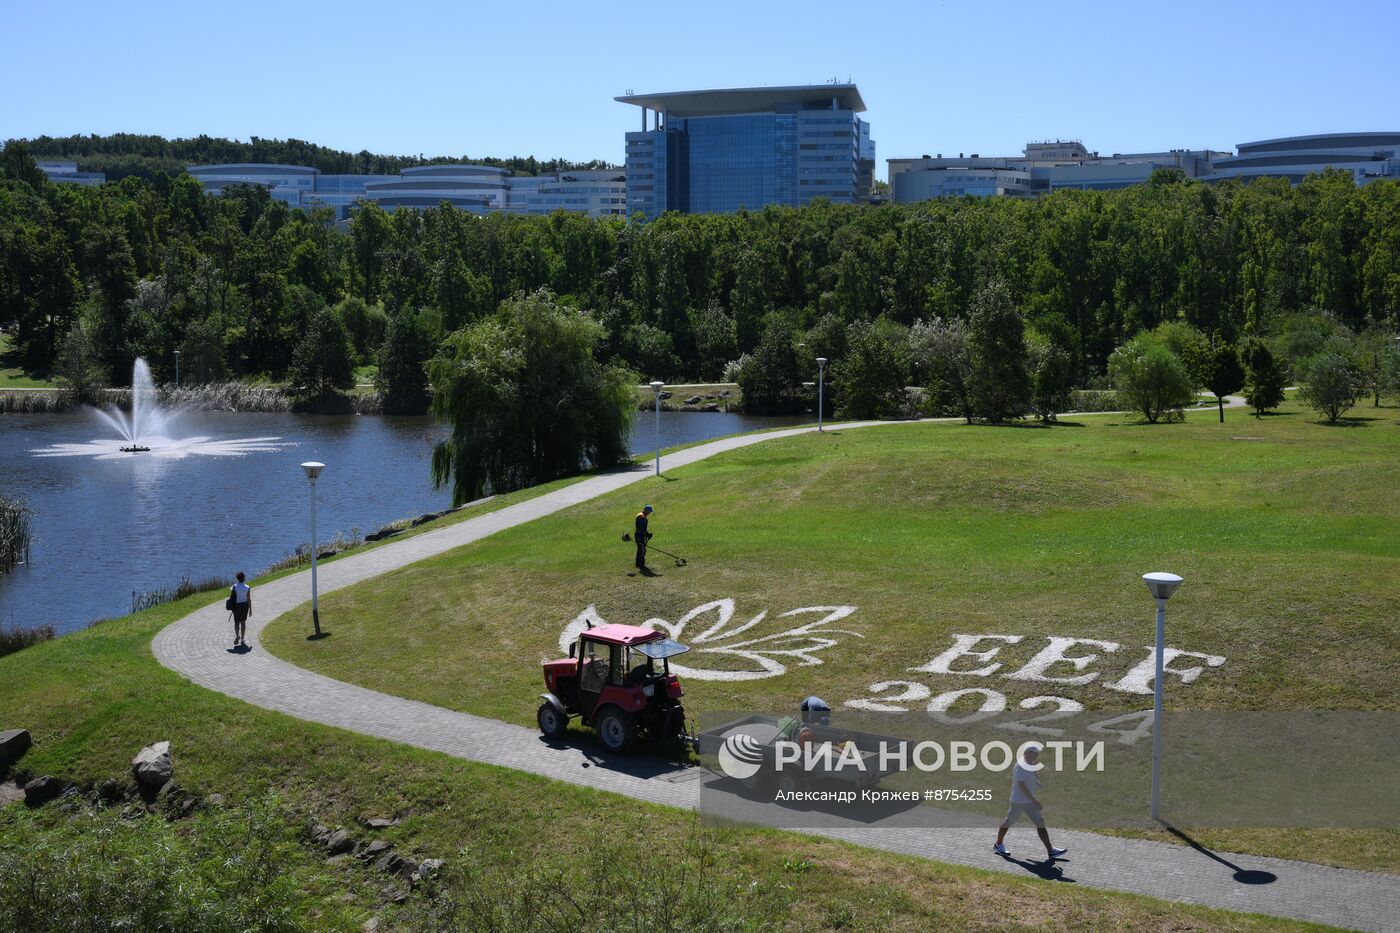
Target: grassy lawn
[(94, 697), (936, 530), (12, 374)]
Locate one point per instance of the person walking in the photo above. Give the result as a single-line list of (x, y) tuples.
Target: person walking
[(241, 600), (641, 535), (1025, 781)]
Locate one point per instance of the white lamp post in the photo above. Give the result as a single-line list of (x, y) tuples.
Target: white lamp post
[(313, 470), (821, 376), (1161, 586), (177, 369), (656, 388)]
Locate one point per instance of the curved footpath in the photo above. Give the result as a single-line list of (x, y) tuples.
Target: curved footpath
[(196, 646)]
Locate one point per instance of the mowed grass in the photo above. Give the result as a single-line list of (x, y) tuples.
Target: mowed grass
[(12, 374), (92, 698), (1284, 528)]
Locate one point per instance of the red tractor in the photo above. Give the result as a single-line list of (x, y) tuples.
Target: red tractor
[(618, 680)]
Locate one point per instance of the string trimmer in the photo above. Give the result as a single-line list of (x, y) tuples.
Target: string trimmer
[(680, 561)]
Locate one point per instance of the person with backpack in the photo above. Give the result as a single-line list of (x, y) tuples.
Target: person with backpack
[(240, 603)]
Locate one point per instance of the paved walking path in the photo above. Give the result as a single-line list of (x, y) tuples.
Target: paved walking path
[(197, 647)]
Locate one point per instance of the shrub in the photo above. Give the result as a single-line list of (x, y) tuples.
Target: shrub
[(943, 346), (1150, 379), (14, 532), (220, 871), (1330, 385), (17, 639), (1052, 376)]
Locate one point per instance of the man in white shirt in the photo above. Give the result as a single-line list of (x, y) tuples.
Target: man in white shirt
[(1025, 781), (242, 596)]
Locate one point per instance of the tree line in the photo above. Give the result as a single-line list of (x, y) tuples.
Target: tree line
[(997, 306), (148, 156)]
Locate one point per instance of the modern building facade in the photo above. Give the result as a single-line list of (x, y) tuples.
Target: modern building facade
[(1041, 167), (720, 151), (67, 173), (1368, 156), (479, 189)]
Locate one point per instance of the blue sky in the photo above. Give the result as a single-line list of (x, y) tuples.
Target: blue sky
[(515, 79)]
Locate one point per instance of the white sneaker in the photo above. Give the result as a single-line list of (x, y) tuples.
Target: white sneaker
[(1056, 853), (1001, 849)]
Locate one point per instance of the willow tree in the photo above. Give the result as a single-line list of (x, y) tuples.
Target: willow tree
[(527, 399)]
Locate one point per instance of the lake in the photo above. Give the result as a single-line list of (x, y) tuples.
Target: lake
[(104, 528)]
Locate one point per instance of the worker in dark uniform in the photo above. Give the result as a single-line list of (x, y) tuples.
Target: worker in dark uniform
[(641, 536)]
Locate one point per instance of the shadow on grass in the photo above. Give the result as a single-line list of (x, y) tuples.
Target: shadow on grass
[(1242, 875), (1352, 421), (315, 636)]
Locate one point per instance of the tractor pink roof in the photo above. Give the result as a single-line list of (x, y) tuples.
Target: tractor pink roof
[(623, 634)]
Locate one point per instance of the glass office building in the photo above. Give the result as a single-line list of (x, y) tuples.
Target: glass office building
[(725, 150)]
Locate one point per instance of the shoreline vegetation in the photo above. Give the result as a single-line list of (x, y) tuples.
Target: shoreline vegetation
[(218, 396)]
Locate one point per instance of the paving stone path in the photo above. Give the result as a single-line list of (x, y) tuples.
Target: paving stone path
[(197, 647)]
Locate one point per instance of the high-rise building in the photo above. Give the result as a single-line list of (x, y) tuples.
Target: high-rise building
[(722, 150)]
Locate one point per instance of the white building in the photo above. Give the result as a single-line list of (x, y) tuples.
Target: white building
[(67, 173)]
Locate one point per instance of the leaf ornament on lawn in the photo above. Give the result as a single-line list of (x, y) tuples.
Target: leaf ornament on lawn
[(710, 629)]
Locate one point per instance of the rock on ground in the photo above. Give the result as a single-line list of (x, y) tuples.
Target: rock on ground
[(13, 744), (43, 789), (153, 767)]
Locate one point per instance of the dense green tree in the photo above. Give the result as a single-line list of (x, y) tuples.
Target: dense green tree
[(1222, 373), (203, 353), (1052, 377), (770, 379), (527, 400), (946, 349), (402, 376), (1150, 378), (82, 367), (1264, 378), (716, 342), (869, 380), (1000, 386), (1330, 385), (323, 361), (366, 325), (18, 163), (1369, 352)]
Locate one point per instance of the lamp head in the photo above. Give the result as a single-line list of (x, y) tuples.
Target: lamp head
[(821, 361), (1161, 585), (313, 469), (657, 386)]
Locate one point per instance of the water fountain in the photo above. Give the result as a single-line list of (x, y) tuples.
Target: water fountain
[(145, 431), (147, 419)]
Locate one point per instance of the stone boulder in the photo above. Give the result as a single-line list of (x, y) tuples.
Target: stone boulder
[(13, 744), (693, 400), (426, 870), (43, 789), (379, 822), (339, 843), (153, 768)]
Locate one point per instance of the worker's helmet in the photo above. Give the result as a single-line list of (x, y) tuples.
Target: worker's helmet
[(815, 709), (647, 508)]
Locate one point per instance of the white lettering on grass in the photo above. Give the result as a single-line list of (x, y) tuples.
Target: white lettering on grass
[(962, 648)]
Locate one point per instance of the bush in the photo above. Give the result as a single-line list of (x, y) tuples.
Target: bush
[(942, 346), (527, 400), (1150, 379), (14, 532), (1052, 376), (17, 639), (869, 381), (769, 378), (1330, 385), (220, 871)]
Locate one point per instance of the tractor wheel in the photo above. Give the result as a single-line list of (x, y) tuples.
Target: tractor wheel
[(616, 730), (552, 722), (789, 782)]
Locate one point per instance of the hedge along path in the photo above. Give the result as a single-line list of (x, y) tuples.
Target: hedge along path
[(196, 646)]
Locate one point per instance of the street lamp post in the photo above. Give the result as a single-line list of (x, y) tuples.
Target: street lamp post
[(821, 377), (1161, 586), (656, 388), (313, 470), (177, 369)]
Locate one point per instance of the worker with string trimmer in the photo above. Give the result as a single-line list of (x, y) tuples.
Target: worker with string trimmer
[(642, 536)]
